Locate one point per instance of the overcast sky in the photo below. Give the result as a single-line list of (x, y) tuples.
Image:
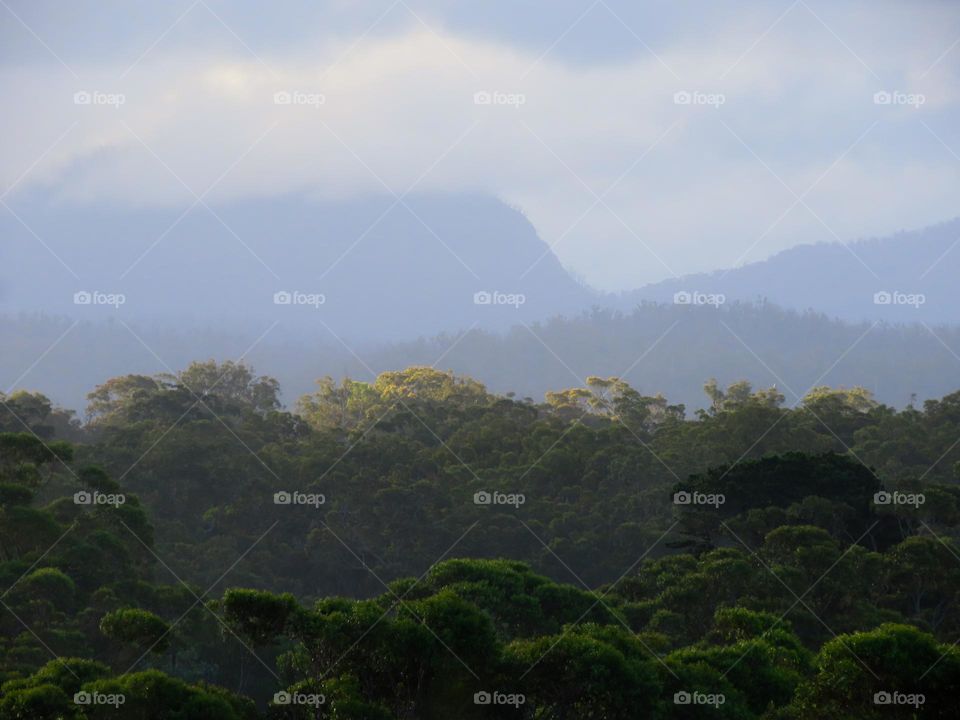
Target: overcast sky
[(642, 139)]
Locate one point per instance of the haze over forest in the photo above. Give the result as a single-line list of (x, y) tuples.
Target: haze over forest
[(416, 360)]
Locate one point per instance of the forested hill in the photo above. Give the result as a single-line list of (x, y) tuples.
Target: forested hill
[(667, 348), (417, 547), (842, 279)]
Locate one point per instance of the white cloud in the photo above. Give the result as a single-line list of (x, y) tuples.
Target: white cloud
[(395, 111)]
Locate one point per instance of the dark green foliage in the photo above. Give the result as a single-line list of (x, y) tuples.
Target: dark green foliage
[(583, 591)]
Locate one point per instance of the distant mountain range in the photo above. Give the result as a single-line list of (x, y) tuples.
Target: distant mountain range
[(373, 269), (306, 286), (907, 277)]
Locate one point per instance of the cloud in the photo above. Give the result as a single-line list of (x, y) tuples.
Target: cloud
[(630, 181)]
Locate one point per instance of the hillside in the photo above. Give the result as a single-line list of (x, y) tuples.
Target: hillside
[(842, 279), (384, 270)]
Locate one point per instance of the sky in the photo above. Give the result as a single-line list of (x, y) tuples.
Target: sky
[(643, 140)]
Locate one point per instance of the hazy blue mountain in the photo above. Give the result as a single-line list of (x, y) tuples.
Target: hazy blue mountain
[(843, 280), (414, 274), (384, 270)]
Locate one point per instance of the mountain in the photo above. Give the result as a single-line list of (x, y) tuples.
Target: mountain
[(370, 269), (906, 277)]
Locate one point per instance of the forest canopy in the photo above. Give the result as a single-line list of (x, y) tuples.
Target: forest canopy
[(419, 547)]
